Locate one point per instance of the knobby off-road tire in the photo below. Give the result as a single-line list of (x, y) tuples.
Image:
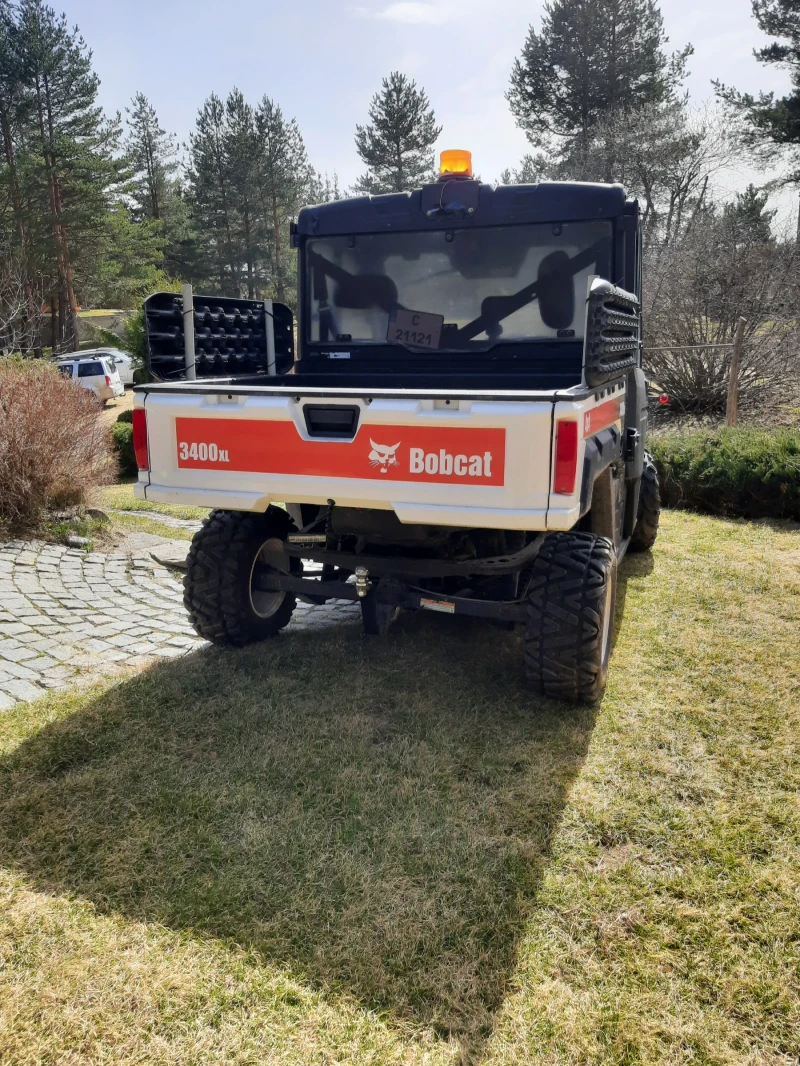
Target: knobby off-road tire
[(218, 595), (646, 529), (571, 616)]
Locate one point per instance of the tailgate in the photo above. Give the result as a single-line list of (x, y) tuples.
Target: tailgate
[(457, 462)]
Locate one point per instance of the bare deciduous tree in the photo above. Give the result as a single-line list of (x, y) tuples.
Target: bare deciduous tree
[(714, 271), (20, 309)]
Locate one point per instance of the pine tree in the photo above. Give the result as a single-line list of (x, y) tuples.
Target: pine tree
[(72, 151), (772, 123), (209, 184), (397, 145), (284, 180), (241, 147), (248, 177), (591, 60), (12, 109), (324, 189), (775, 121), (151, 152), (749, 215)]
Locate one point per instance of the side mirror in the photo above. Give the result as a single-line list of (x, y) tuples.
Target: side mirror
[(555, 286)]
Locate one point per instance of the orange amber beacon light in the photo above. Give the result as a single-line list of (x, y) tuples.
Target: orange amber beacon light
[(455, 163)]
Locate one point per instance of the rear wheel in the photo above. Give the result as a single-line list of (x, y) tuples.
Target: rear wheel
[(646, 529), (224, 602), (571, 616)]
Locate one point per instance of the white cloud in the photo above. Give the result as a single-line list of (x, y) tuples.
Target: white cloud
[(408, 11)]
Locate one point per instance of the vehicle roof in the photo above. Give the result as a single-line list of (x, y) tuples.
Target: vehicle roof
[(90, 354), (78, 358), (548, 201)]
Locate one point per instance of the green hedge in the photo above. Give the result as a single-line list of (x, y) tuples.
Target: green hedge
[(125, 416), (735, 472), (122, 433)]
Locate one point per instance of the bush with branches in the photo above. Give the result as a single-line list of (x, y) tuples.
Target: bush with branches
[(53, 446), (723, 265)]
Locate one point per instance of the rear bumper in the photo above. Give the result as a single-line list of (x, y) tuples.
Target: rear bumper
[(480, 464), (529, 519)]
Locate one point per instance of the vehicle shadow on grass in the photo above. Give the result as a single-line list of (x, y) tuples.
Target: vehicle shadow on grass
[(373, 815)]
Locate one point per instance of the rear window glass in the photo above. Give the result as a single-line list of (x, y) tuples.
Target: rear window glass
[(90, 370), (66, 371)]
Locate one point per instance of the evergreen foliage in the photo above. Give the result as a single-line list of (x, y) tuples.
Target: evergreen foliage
[(750, 217), (152, 156), (590, 60), (397, 144), (248, 177), (65, 218), (746, 473), (770, 121)]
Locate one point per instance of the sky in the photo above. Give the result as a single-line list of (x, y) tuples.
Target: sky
[(323, 61)]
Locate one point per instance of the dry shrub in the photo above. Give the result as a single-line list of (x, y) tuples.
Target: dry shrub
[(53, 445), (696, 288)]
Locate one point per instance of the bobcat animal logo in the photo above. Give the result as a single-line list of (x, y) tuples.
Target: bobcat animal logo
[(383, 455)]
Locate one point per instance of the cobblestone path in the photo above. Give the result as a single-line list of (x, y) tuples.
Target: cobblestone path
[(67, 613)]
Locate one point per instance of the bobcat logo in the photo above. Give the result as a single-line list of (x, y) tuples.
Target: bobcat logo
[(383, 455)]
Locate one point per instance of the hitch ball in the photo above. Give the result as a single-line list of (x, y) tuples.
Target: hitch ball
[(363, 583)]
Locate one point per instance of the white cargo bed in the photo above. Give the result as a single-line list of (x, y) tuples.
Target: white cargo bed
[(445, 459)]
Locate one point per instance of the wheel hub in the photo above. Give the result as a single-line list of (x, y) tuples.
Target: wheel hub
[(266, 603)]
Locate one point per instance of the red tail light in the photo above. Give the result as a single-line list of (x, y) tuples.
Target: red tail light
[(108, 380), (566, 457), (140, 448)]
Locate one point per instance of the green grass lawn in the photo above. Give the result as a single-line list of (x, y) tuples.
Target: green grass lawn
[(332, 850)]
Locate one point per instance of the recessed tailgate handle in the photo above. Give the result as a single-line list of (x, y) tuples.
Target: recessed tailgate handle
[(331, 420)]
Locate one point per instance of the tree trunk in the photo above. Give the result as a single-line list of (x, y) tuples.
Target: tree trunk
[(59, 232), (72, 304), (54, 321)]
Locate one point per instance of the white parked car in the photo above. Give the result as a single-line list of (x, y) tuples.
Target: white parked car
[(123, 360), (95, 371)]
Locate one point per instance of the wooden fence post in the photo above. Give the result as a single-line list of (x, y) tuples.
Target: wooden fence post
[(732, 407)]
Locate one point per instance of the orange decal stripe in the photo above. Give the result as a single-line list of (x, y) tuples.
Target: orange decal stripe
[(381, 453), (599, 417)]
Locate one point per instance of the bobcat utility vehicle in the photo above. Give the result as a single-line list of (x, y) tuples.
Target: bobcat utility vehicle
[(461, 428)]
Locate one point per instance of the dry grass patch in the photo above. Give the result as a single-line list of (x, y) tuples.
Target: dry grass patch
[(120, 498), (129, 523), (332, 850)]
